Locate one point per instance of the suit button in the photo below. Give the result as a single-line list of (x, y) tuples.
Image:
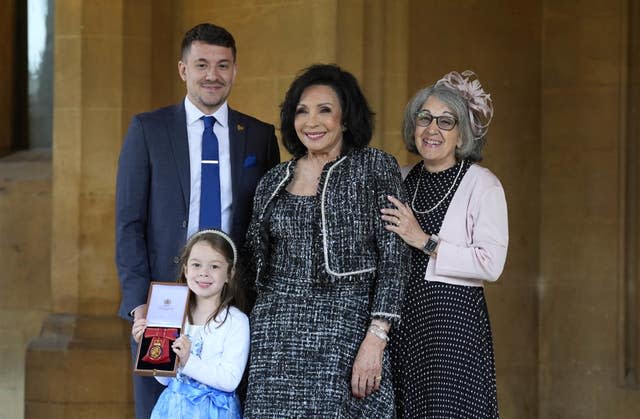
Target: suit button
[(176, 260), (184, 224)]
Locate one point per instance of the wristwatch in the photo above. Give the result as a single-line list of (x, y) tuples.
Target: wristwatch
[(431, 244)]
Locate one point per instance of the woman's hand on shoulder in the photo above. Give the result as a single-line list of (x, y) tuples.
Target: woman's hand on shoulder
[(401, 221)]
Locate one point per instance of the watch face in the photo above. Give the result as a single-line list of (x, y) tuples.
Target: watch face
[(431, 245)]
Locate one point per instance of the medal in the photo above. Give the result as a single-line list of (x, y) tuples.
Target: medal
[(158, 352)]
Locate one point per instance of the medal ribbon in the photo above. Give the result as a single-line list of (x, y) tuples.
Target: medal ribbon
[(158, 352)]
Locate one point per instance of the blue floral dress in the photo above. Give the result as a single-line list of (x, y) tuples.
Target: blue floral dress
[(186, 397)]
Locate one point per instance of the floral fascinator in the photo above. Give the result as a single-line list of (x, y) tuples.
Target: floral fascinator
[(478, 101)]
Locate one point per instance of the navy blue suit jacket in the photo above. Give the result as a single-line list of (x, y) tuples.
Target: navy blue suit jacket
[(153, 193)]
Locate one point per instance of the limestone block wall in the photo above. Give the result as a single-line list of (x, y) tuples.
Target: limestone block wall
[(584, 87)]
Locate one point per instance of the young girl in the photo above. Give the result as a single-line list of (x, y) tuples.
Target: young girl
[(214, 345)]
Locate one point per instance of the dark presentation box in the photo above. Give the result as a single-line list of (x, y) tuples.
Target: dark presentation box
[(166, 312)]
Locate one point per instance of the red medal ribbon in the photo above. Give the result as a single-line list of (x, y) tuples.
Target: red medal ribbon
[(158, 352)]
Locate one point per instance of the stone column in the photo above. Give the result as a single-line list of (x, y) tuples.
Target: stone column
[(79, 366)]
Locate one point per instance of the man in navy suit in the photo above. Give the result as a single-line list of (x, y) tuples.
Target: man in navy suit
[(158, 183)]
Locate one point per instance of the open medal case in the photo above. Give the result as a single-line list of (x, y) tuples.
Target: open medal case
[(166, 312)]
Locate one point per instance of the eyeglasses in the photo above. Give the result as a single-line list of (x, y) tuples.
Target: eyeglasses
[(445, 122)]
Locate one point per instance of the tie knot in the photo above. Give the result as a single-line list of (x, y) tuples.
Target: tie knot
[(209, 121)]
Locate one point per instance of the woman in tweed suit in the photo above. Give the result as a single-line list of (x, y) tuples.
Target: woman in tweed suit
[(328, 275)]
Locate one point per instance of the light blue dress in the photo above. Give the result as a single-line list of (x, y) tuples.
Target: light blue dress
[(186, 397)]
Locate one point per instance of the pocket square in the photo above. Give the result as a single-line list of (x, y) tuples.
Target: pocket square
[(250, 161)]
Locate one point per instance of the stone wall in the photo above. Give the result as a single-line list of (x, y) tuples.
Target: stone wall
[(584, 111)]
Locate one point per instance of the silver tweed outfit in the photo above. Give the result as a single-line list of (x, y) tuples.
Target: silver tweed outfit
[(324, 267)]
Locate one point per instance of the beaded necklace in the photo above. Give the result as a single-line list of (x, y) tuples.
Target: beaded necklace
[(415, 193)]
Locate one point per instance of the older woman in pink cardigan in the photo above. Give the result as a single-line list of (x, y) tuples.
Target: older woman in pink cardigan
[(456, 223)]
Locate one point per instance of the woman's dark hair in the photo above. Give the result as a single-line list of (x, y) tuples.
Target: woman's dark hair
[(357, 117), (232, 293)]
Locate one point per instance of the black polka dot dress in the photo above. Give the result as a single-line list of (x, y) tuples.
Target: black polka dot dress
[(442, 352)]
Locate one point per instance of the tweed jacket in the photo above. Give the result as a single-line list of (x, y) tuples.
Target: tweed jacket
[(352, 243)]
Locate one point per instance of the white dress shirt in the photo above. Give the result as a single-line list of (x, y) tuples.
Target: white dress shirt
[(195, 127)]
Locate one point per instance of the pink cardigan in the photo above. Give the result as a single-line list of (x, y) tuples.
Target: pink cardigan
[(474, 234)]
